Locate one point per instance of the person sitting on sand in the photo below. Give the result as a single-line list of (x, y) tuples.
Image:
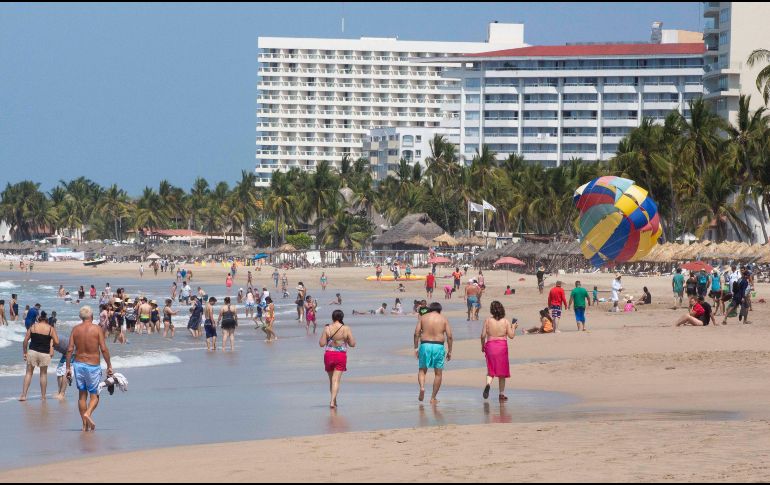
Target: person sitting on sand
[(701, 314), (337, 300), (630, 307), (646, 299), (546, 324)]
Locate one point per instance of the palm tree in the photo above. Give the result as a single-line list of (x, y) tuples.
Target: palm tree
[(115, 204), (748, 130), (321, 196), (763, 78), (245, 200), (347, 232), (199, 194), (149, 211), (483, 166), (280, 200), (700, 135), (25, 209), (711, 204)]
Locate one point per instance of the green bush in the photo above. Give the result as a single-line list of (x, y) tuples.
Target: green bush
[(300, 241)]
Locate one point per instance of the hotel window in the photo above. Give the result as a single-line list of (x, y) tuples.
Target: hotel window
[(473, 82), (418, 139), (724, 15), (724, 38), (408, 140), (471, 115), (471, 132), (473, 98)]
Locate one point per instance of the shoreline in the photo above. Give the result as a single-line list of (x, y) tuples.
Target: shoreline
[(675, 404)]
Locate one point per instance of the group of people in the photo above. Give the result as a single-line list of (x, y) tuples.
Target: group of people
[(730, 292)]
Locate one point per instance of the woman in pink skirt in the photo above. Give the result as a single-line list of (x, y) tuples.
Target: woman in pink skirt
[(336, 340), (494, 344)]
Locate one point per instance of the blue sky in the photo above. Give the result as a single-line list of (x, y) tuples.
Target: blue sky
[(134, 93)]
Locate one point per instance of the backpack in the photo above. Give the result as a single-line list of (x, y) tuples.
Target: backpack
[(703, 280)]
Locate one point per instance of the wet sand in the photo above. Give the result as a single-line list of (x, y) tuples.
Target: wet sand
[(653, 403)]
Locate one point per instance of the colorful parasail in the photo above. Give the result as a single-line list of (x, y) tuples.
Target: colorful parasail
[(618, 221)]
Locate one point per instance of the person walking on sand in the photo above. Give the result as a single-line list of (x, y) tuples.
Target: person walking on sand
[(228, 320), (430, 285), (579, 296), (556, 301), (209, 325), (472, 299), (336, 340), (229, 282), (677, 284), (324, 281), (494, 345), (87, 343), (275, 277), (430, 335), (38, 348)]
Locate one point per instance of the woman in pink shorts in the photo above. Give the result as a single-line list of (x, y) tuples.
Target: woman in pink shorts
[(336, 339)]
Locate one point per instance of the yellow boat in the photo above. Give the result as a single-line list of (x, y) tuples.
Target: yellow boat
[(402, 278)]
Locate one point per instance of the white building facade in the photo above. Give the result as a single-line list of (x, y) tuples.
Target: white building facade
[(318, 98), (385, 147), (554, 103), (732, 30)]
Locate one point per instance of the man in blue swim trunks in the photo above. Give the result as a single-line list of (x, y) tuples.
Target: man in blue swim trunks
[(87, 343), (472, 298), (432, 331)]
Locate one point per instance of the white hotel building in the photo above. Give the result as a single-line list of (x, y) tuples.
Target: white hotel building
[(553, 103), (318, 98)]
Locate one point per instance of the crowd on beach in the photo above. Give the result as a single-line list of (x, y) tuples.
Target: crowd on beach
[(120, 315)]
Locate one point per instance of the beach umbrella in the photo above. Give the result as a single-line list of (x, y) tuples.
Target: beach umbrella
[(509, 260), (447, 240), (260, 256), (439, 260), (153, 257), (697, 266)]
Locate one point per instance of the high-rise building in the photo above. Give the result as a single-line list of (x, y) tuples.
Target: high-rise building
[(554, 103), (731, 31), (318, 98)]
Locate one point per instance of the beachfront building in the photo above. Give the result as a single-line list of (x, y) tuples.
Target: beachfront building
[(554, 103), (731, 31), (318, 98), (385, 147)]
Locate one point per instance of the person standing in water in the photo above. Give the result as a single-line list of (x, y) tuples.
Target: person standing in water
[(209, 325), (324, 281), (310, 314), (167, 314), (494, 345), (87, 343), (3, 321), (432, 332), (228, 320), (269, 327), (13, 309), (336, 340), (38, 347)]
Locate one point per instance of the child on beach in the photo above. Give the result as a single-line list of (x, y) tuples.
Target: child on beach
[(546, 324), (595, 294), (630, 307), (448, 290)]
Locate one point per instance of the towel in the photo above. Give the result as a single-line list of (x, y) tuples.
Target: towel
[(117, 380)]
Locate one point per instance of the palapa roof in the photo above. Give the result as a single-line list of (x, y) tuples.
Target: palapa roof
[(446, 239), (410, 226), (418, 241)]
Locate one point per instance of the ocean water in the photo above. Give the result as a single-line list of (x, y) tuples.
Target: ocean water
[(179, 394)]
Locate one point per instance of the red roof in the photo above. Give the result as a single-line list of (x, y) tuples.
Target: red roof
[(173, 233), (597, 50)]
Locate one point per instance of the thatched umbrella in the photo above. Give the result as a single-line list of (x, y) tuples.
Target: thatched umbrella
[(287, 248), (447, 240), (472, 241), (410, 226), (418, 241)]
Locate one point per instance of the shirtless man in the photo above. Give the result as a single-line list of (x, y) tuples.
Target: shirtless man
[(432, 331), (145, 316), (473, 299), (87, 343)]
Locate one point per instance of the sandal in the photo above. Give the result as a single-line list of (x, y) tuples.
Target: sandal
[(486, 392)]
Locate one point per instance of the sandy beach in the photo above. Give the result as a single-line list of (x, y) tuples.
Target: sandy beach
[(653, 402)]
